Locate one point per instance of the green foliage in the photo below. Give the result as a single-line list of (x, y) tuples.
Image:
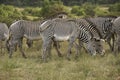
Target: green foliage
[(114, 8), (34, 3), (86, 9), (32, 11), (8, 14), (77, 10), (50, 8), (101, 11)]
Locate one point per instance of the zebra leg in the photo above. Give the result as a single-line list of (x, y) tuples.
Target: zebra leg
[(113, 38), (56, 45), (15, 46), (81, 45), (29, 43), (46, 47), (49, 50), (71, 41), (111, 47), (21, 49), (1, 47), (10, 51), (77, 49), (4, 47), (116, 47)]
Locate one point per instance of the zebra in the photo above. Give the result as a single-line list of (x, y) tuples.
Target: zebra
[(4, 34), (116, 28), (63, 30), (20, 29), (104, 25), (90, 27)]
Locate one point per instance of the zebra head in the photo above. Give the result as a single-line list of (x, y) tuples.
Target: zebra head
[(99, 46), (95, 46), (107, 26)]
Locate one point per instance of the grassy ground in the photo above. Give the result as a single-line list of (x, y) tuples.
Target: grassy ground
[(86, 67)]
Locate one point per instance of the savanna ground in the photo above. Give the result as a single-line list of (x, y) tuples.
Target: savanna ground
[(86, 67)]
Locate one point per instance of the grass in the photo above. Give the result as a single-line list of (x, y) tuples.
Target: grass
[(86, 67)]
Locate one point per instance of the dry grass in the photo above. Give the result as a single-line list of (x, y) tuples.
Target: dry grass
[(86, 67)]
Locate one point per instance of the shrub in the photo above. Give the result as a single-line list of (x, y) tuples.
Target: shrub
[(114, 8), (32, 11), (49, 9), (100, 11), (76, 10), (88, 9), (8, 14)]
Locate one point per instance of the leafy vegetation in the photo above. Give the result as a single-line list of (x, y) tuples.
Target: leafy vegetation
[(39, 3), (52, 8), (10, 13)]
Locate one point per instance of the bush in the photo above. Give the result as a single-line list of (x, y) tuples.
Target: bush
[(32, 11), (114, 8), (101, 11), (77, 10), (8, 14), (49, 9), (86, 9)]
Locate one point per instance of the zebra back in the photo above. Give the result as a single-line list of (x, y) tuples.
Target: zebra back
[(23, 28), (93, 26)]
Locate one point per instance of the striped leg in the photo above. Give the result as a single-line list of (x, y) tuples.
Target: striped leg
[(46, 47), (56, 45), (71, 41), (21, 48), (116, 46)]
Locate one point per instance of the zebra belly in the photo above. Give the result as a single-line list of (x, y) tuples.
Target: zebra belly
[(61, 38), (32, 37)]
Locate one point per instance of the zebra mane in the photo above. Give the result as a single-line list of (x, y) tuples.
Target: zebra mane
[(91, 23), (45, 24)]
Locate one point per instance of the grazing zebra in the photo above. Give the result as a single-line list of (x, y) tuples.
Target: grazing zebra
[(22, 28), (65, 30), (90, 27), (4, 34), (92, 44), (104, 25), (116, 28)]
